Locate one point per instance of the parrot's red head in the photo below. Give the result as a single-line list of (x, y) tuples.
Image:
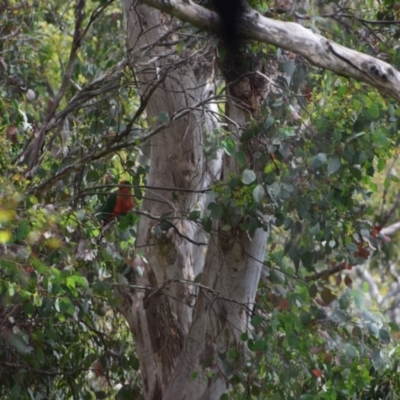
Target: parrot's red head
[(125, 187)]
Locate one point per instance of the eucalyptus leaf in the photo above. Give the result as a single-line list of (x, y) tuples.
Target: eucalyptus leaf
[(258, 193), (229, 146), (248, 176), (318, 160), (334, 165), (163, 117)]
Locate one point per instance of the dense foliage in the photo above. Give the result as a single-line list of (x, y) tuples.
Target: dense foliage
[(322, 167)]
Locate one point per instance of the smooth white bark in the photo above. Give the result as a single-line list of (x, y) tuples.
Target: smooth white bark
[(219, 317), (160, 320)]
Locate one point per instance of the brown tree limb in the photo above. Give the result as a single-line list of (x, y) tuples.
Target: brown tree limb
[(326, 273)]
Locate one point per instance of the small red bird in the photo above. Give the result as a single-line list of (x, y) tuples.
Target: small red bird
[(118, 203)]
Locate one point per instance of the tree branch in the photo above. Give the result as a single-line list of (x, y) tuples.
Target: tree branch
[(32, 153), (315, 48), (391, 229), (326, 273)]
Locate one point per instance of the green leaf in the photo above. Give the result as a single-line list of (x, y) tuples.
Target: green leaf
[(19, 343), (350, 351), (247, 135), (134, 363), (287, 223), (305, 318), (248, 176), (256, 320), (258, 345), (207, 224), (274, 190), (241, 158), (313, 290), (351, 247), (16, 391), (229, 146), (345, 299), (285, 150), (194, 375), (163, 117), (125, 393), (384, 336), (29, 308), (138, 271), (334, 165), (386, 184), (194, 215), (288, 187), (381, 164), (233, 354), (356, 173), (101, 288), (287, 131), (81, 281), (318, 160), (289, 67), (377, 358), (217, 211), (80, 215), (327, 296), (258, 193), (373, 110), (23, 230), (374, 330), (358, 299), (67, 306), (394, 327), (93, 176), (268, 122), (368, 316), (101, 394), (315, 229), (276, 276), (33, 200), (37, 299)]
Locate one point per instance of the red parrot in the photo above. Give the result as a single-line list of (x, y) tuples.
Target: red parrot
[(118, 203)]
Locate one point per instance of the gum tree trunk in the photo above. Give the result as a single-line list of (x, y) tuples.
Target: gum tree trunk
[(180, 329)]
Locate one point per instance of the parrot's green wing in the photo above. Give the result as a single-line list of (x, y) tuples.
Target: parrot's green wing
[(105, 211)]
